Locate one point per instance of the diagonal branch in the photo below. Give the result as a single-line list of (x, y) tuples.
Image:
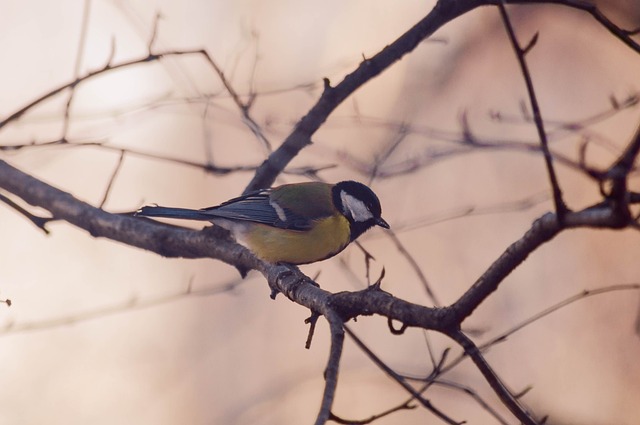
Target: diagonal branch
[(331, 97), (492, 378), (90, 75), (400, 380), (40, 222), (592, 9), (560, 207)]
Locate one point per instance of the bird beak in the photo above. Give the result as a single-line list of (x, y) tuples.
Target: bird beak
[(380, 222)]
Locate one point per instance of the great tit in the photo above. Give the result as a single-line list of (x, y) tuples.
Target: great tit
[(296, 223)]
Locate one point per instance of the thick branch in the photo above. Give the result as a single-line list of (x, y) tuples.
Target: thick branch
[(542, 230), (168, 241)]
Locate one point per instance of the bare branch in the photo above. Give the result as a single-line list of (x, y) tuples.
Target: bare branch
[(116, 170), (547, 311), (244, 107), (415, 266), (40, 222), (492, 378), (154, 32), (407, 405), (503, 336), (331, 97), (560, 207), (400, 380), (590, 8), (475, 396), (132, 304), (331, 371), (86, 12), (90, 75)]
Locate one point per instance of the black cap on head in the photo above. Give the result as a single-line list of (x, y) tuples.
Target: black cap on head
[(360, 205)]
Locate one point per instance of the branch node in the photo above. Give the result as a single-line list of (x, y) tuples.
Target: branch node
[(395, 331), (274, 293), (243, 273), (327, 84)]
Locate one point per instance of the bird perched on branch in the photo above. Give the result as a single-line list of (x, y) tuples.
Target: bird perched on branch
[(296, 223)]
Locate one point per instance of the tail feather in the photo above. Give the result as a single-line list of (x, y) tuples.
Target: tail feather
[(168, 212)]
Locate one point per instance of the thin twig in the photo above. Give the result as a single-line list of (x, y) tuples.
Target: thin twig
[(400, 136), (86, 13), (407, 405), (415, 266), (592, 9), (399, 379), (492, 378), (503, 336), (91, 75), (474, 395), (116, 170), (547, 311), (457, 213), (560, 207), (154, 32), (244, 107), (40, 222), (331, 97), (132, 304)]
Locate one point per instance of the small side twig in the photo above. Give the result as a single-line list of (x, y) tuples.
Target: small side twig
[(40, 222), (311, 321), (116, 170), (407, 405), (154, 32)]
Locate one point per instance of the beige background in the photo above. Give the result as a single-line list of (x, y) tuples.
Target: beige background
[(140, 351)]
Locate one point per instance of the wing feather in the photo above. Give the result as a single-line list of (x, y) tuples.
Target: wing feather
[(257, 207)]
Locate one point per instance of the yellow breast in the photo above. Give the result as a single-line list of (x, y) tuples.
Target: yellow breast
[(328, 237)]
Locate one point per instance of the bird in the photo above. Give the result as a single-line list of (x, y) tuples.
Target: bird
[(298, 223)]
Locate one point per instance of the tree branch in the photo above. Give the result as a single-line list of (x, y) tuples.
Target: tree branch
[(560, 207), (592, 9), (442, 13), (492, 378), (331, 371)]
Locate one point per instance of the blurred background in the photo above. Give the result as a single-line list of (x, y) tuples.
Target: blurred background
[(104, 333)]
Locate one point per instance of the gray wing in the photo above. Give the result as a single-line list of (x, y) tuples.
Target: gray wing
[(257, 207)]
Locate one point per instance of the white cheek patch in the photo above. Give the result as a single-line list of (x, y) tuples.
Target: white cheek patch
[(279, 210), (357, 209)]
